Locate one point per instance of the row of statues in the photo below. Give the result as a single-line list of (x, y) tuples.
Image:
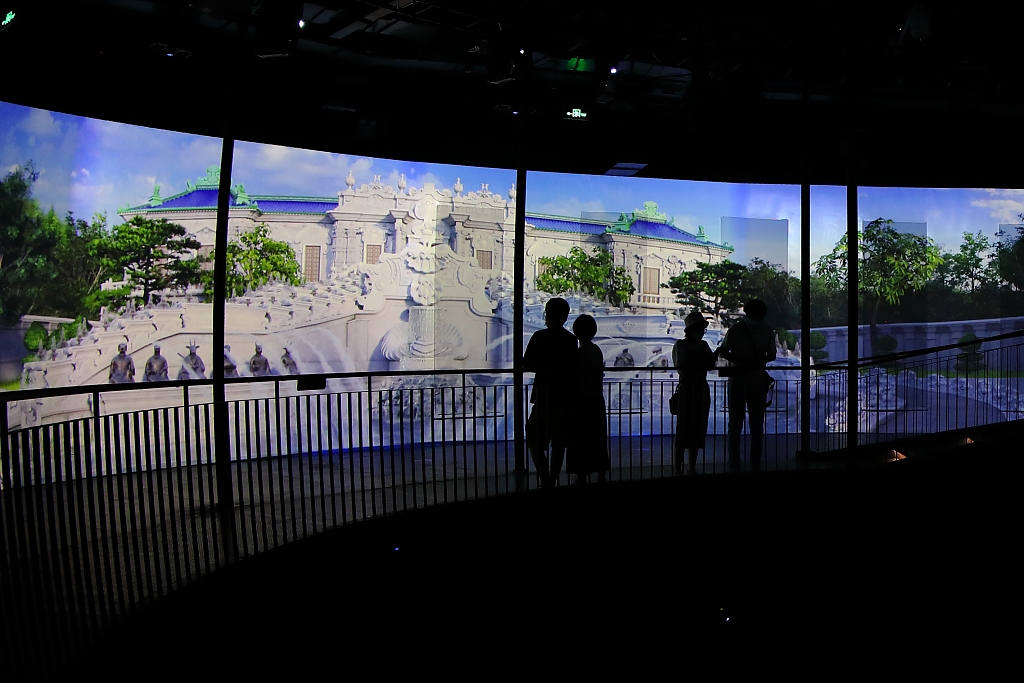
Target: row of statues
[(122, 367)]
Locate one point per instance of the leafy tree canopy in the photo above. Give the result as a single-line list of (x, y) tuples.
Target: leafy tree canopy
[(254, 259), (150, 252), (1009, 257), (712, 287), (595, 275), (889, 263), (971, 268), (27, 241)]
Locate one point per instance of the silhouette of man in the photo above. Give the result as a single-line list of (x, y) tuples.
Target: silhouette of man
[(749, 345), (156, 367), (259, 365), (122, 367), (551, 355)]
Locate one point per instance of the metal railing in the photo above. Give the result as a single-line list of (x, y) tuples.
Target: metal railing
[(113, 508)]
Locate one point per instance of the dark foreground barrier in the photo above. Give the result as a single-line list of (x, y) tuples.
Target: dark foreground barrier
[(696, 573)]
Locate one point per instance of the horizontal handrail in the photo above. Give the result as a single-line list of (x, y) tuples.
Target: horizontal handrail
[(890, 357), (50, 392)]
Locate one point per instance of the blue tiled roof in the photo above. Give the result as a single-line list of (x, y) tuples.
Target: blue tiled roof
[(196, 199), (566, 225), (207, 199), (639, 228), (279, 205), (663, 231)]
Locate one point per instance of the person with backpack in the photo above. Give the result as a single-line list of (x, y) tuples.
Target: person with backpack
[(749, 345)]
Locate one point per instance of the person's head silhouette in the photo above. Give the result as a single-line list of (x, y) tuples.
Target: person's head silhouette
[(584, 327), (755, 309), (556, 312), (695, 324)]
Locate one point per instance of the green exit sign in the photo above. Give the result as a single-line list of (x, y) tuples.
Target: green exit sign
[(576, 114), (8, 18)]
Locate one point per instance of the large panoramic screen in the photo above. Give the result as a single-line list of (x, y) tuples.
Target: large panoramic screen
[(340, 263), (644, 255), (664, 248), (104, 277)]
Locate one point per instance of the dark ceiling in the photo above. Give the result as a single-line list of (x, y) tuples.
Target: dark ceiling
[(877, 93)]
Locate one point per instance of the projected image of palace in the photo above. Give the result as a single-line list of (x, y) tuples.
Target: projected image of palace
[(409, 278)]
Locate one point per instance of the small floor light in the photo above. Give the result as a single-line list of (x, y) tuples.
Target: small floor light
[(893, 456)]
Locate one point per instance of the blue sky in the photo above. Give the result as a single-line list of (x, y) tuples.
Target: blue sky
[(89, 165)]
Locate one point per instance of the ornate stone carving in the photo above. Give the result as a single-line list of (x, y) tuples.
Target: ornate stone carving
[(426, 340)]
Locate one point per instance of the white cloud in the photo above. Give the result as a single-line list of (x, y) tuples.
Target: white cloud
[(1005, 210), (40, 122)]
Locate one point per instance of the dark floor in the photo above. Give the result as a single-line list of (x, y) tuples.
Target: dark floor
[(910, 561)]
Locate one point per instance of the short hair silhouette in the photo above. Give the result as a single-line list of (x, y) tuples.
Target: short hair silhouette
[(756, 309), (584, 327), (557, 310)]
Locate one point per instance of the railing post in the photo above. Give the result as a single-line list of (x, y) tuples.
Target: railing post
[(805, 320), (222, 452), (518, 278), (852, 287), (5, 451)]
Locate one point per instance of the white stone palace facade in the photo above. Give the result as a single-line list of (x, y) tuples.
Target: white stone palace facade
[(329, 235)]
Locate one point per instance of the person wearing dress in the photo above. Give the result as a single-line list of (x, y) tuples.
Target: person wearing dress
[(693, 358), (588, 449)]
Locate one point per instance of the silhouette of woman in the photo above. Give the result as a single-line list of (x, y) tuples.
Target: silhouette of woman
[(588, 451), (693, 358)]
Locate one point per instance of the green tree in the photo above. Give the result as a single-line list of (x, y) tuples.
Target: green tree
[(778, 289), (712, 287), (254, 259), (27, 241), (1009, 257), (971, 268), (889, 264), (149, 253), (595, 275), (817, 346), (78, 266), (828, 305)]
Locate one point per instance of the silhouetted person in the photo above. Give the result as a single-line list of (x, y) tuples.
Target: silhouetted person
[(156, 367), (122, 367), (588, 447), (749, 345), (289, 363), (230, 367), (693, 358), (259, 365), (624, 359), (192, 366), (551, 354)]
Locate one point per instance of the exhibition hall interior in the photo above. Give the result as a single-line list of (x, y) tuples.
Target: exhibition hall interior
[(552, 332)]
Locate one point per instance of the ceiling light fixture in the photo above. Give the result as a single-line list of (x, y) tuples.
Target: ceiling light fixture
[(614, 70), (301, 23)]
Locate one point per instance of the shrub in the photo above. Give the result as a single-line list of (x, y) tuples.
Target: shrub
[(35, 334), (886, 344), (817, 346)]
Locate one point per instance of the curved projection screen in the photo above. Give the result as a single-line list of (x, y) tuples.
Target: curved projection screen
[(95, 254), (376, 264), (675, 246)]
